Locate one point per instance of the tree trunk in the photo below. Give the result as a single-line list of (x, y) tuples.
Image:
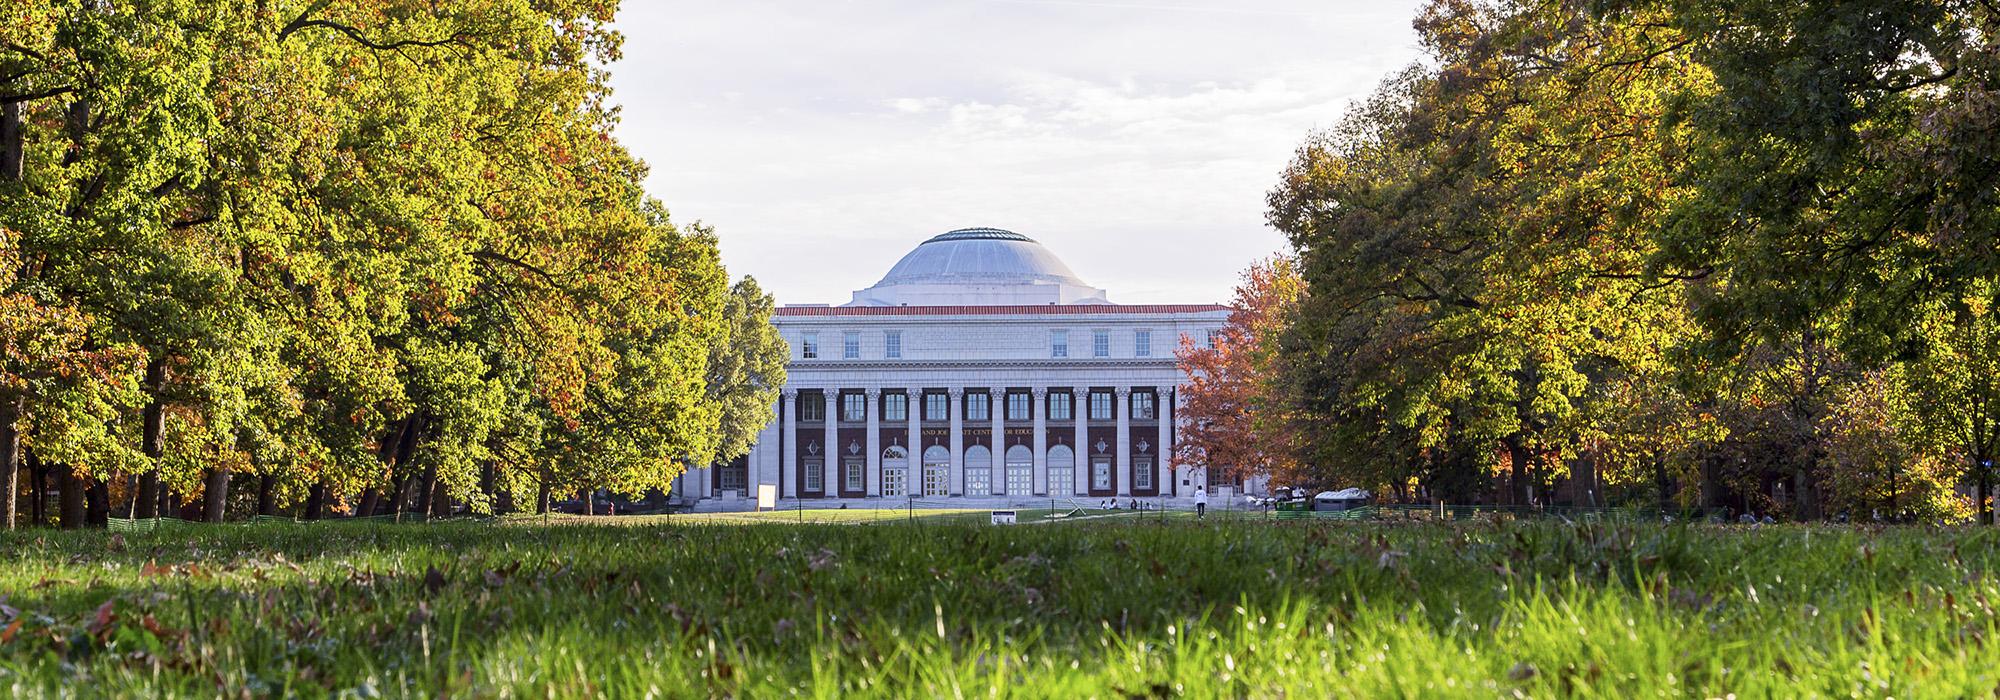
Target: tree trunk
[(486, 477), (1517, 479), (440, 500), (38, 487), (153, 440), (13, 151), (315, 501), (371, 500), (542, 494), (426, 488), (1982, 488), (267, 504), (71, 510), (215, 496), (10, 455), (97, 499), (503, 502)]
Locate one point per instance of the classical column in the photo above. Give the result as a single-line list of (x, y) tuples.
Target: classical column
[(996, 399), (1079, 444), (1122, 462), (830, 484), (914, 442), (1164, 398), (788, 435), (957, 476), (874, 442), (1039, 408)]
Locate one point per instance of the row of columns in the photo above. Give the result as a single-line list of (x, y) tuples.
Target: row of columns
[(835, 456)]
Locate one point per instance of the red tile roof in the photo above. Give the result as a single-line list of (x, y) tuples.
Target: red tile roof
[(1050, 310)]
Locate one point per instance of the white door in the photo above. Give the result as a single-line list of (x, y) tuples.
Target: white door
[(937, 471), (1062, 471), (895, 472), (1020, 471), (978, 471)]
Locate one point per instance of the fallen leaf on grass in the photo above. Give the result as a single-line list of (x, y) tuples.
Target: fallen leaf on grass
[(7, 635), (824, 559)]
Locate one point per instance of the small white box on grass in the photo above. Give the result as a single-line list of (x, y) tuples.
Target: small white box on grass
[(1003, 517)]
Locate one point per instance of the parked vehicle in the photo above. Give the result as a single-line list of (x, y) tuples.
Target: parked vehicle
[(1344, 499)]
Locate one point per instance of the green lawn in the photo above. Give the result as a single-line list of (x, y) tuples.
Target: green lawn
[(1112, 607)]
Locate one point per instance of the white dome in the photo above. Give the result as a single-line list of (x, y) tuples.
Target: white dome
[(979, 267)]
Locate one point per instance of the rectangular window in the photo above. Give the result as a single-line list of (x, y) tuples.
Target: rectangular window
[(1211, 334), (855, 467), (1100, 473), (1100, 405), (1058, 343), (937, 407), (853, 407), (1142, 473), (895, 407), (1100, 344), (1142, 406), (809, 346), (812, 408), (815, 474), (850, 346), (1059, 406), (1142, 344), (977, 406), (733, 477), (1017, 407), (892, 345)]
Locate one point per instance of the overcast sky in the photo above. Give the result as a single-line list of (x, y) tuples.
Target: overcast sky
[(1134, 138)]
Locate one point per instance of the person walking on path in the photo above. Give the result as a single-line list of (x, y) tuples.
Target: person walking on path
[(1200, 502)]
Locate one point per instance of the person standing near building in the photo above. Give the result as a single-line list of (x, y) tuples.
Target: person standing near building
[(1200, 502)]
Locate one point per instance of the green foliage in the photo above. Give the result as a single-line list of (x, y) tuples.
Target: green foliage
[(1718, 252), (365, 244)]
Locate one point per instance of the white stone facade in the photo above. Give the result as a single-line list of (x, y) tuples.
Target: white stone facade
[(1081, 396)]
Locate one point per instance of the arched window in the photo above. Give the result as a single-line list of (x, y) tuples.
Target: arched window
[(1020, 471), (978, 471), (937, 470), (1062, 471), (895, 471)]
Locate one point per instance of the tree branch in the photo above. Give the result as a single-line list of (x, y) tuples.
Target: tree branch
[(32, 96), (352, 33)]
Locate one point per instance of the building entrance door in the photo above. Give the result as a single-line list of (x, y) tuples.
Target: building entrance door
[(937, 471), (1062, 471), (895, 472), (1020, 471)]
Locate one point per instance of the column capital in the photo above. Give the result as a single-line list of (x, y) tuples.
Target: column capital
[(957, 392), (873, 393), (1123, 392), (1040, 392), (914, 391), (789, 394)]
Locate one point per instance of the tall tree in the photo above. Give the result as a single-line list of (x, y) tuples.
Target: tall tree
[(1233, 417)]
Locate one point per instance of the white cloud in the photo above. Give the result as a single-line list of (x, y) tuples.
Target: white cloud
[(824, 140)]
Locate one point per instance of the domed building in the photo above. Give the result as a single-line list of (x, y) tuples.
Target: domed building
[(980, 371), (979, 266)]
